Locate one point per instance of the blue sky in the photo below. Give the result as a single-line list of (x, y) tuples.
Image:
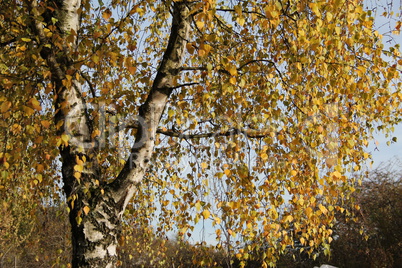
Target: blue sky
[(382, 152)]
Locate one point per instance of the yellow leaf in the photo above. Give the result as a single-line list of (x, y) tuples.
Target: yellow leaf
[(45, 123), (206, 214), (201, 52), (79, 161), (65, 137), (200, 24), (330, 161), (207, 48), (271, 13), (35, 104), (16, 128), (107, 14), (204, 165), (190, 48), (232, 80), (40, 168), (27, 110), (329, 16), (289, 218), (219, 175), (170, 113), (78, 168), (232, 70), (218, 232), (86, 210), (78, 219), (77, 175), (232, 233), (96, 133), (337, 174), (5, 106), (241, 21), (132, 69), (198, 205), (309, 211), (95, 59), (323, 209), (314, 8), (238, 9)]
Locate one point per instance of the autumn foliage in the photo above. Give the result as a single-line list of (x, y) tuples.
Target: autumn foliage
[(243, 119)]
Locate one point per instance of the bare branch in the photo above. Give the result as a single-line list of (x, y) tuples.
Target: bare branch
[(200, 68), (244, 11), (174, 133), (254, 61), (91, 88), (249, 133), (262, 60)]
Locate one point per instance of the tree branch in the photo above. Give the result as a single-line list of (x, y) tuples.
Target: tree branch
[(243, 11), (200, 68), (250, 133), (254, 61), (151, 111), (91, 88)]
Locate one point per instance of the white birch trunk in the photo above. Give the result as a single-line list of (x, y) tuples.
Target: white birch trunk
[(95, 213)]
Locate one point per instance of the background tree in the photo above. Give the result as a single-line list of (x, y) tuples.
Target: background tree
[(370, 235), (375, 237), (263, 108), (48, 243)]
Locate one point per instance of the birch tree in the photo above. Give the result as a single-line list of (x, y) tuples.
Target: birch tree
[(247, 115)]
